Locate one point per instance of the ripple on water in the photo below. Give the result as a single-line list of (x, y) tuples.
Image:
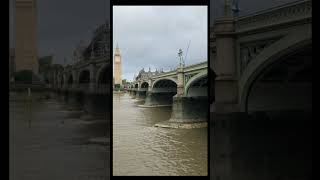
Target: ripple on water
[(141, 149)]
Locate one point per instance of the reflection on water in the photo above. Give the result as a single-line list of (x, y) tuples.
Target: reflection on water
[(141, 149), (48, 142)]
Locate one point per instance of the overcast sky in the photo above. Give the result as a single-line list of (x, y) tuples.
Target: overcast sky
[(150, 36), (63, 23)]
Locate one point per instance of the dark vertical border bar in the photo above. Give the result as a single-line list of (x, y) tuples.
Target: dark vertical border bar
[(111, 87), (209, 85), (161, 3)]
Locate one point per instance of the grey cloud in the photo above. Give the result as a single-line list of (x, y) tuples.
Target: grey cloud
[(151, 36), (62, 24)]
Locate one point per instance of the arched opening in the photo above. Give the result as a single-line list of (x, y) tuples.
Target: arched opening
[(61, 81), (279, 122), (143, 90), (144, 85), (198, 87), (46, 80), (103, 76), (103, 80), (164, 85), (70, 80), (136, 86), (284, 85), (163, 90), (84, 77), (84, 80)]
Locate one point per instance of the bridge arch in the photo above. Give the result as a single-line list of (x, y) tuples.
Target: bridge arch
[(70, 80), (84, 76), (102, 74), (269, 58), (161, 82), (199, 80), (144, 84), (61, 80)]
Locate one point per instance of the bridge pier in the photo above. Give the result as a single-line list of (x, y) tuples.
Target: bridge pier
[(74, 99), (96, 106), (189, 109), (155, 99), (140, 94), (274, 145), (137, 95), (187, 113), (60, 95), (133, 93)]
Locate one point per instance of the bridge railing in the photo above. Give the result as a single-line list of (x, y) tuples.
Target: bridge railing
[(291, 12)]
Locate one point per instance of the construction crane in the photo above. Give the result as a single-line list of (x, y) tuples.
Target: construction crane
[(187, 51)]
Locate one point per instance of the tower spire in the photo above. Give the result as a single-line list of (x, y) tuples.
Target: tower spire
[(117, 50), (227, 8)]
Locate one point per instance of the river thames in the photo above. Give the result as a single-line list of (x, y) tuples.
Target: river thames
[(141, 149), (47, 141)]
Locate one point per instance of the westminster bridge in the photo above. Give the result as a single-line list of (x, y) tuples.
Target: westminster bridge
[(85, 84), (185, 89)]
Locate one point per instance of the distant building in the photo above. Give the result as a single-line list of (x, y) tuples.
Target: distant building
[(78, 51), (117, 67), (99, 45), (146, 74)]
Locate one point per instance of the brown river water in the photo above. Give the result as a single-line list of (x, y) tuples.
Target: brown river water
[(48, 142), (141, 149)]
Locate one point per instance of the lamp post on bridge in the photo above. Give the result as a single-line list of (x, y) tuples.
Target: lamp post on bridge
[(181, 58), (180, 75), (231, 9)]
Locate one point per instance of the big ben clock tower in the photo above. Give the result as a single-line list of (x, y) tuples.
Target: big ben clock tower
[(26, 36), (117, 67)]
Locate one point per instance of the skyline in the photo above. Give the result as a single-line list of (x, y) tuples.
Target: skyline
[(59, 33), (150, 36)]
